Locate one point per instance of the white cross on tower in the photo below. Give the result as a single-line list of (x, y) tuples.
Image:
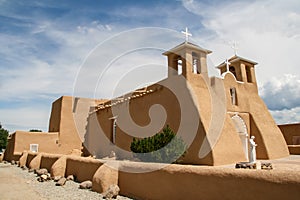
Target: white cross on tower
[(227, 64), (234, 47), (187, 34)]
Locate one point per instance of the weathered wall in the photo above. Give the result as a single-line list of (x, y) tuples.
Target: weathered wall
[(47, 160), (177, 181), (20, 141), (82, 168), (9, 151), (269, 139), (291, 133), (46, 141), (195, 98), (224, 143), (62, 120), (30, 157), (151, 120), (196, 182), (212, 101), (55, 116)]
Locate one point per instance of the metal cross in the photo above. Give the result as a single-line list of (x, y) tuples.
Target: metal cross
[(186, 33), (234, 47), (227, 64)]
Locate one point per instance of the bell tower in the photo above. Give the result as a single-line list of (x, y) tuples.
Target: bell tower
[(187, 59), (243, 69)]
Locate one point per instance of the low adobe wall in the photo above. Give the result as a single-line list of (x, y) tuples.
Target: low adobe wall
[(62, 165), (30, 157), (196, 182), (47, 160), (9, 154), (291, 133), (82, 168), (174, 181)]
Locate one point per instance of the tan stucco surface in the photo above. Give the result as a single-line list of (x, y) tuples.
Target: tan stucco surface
[(196, 182), (289, 131), (163, 181)]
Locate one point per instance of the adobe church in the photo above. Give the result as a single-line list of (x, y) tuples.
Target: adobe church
[(215, 116)]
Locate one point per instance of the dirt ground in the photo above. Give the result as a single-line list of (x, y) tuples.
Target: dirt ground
[(14, 186), (16, 183)]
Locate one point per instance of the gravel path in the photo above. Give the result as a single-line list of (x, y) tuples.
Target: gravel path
[(16, 183)]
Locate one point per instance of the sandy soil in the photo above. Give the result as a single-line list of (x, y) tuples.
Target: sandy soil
[(16, 183), (14, 186)]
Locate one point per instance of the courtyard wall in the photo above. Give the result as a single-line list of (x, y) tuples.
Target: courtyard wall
[(155, 181)]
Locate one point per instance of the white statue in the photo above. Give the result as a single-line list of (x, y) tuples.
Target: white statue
[(252, 156)]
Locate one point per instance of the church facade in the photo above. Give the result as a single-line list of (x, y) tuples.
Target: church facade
[(215, 116)]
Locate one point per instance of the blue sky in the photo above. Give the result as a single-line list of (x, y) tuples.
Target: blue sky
[(45, 44)]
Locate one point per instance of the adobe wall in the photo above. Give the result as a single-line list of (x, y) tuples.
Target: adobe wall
[(269, 139), (62, 120), (82, 168), (151, 119), (196, 182), (178, 181), (212, 101), (224, 143), (291, 133), (46, 141), (30, 157), (9, 151), (55, 116), (47, 160), (197, 99)]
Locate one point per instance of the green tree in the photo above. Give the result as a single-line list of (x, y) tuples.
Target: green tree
[(164, 147), (3, 137)]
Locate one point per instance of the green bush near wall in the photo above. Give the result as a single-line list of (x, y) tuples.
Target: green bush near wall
[(164, 147), (3, 137)]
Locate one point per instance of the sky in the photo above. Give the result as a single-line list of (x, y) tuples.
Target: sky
[(89, 48)]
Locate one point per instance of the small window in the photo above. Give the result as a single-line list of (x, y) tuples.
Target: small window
[(233, 96), (232, 70), (34, 147), (179, 66), (114, 130), (196, 63)]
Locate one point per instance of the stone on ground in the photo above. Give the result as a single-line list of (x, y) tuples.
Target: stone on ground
[(86, 185), (112, 192), (56, 178), (61, 181), (42, 171), (70, 178)]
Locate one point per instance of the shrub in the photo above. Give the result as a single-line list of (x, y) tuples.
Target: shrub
[(3, 137), (164, 147)]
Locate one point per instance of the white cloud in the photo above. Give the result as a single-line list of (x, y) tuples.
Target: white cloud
[(287, 116), (267, 32), (282, 92)]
